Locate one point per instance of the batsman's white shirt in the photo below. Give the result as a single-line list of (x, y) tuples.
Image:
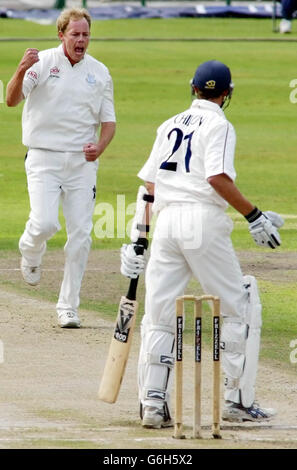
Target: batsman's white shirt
[(190, 147), (65, 104)]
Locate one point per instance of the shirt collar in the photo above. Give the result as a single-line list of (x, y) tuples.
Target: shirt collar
[(61, 52), (209, 105)]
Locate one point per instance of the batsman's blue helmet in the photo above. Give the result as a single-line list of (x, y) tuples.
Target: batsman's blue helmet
[(212, 78)]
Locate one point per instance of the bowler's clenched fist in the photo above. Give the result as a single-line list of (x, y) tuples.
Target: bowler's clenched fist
[(30, 58), (91, 152)]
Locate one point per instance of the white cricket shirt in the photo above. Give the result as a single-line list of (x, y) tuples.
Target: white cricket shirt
[(189, 148), (65, 104)]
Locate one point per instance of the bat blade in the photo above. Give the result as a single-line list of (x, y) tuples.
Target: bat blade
[(118, 351)]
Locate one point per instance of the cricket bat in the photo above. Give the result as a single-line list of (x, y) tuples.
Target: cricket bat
[(121, 341)]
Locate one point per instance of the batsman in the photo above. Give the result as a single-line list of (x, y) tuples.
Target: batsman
[(190, 172)]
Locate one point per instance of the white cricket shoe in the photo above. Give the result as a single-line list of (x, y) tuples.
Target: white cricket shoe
[(237, 413), (285, 26), (154, 418), (31, 274), (68, 320)]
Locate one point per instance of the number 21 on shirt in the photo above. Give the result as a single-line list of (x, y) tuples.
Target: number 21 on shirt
[(179, 138)]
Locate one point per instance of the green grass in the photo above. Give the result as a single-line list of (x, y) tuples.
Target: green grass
[(182, 28), (279, 318)]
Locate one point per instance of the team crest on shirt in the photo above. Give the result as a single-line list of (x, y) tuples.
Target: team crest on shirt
[(32, 75), (54, 72), (91, 79)]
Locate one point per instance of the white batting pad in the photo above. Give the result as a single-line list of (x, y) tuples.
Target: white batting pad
[(156, 361), (241, 366)]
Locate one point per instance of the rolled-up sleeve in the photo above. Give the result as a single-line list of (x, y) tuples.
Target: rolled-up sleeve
[(220, 151), (31, 79), (107, 112)]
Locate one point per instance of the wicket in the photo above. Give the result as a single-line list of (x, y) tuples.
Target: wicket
[(178, 428)]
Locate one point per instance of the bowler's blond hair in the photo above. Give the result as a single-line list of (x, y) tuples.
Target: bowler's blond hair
[(72, 14)]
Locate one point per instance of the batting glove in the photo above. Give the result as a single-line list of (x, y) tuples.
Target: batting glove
[(274, 218), (132, 264), (263, 228)]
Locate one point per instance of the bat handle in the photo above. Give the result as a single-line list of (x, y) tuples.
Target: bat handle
[(131, 294), (142, 244)]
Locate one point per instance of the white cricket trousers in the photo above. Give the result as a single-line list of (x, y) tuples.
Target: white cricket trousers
[(65, 177), (190, 240)]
